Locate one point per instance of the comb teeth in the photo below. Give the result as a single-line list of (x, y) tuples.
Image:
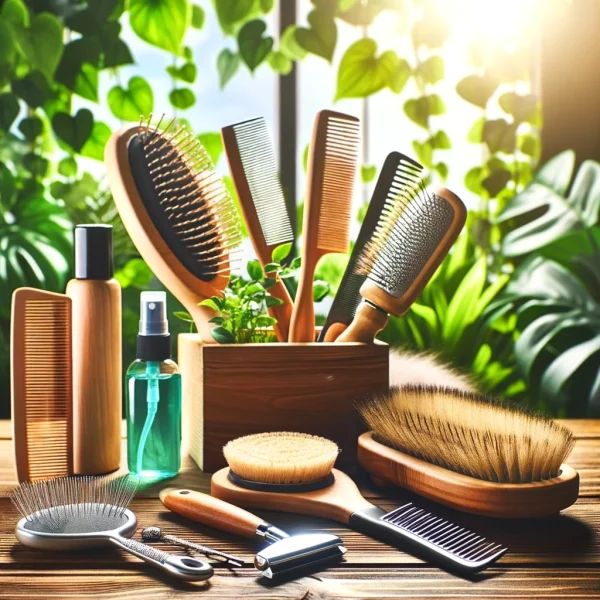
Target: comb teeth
[(201, 217), (339, 172), (406, 236), (444, 535), (48, 381), (260, 168)]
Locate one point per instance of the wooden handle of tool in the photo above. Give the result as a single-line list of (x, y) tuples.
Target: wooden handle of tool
[(367, 323), (201, 315), (211, 511), (302, 326), (282, 312), (334, 331)]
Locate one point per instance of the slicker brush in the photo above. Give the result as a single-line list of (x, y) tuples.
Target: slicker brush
[(408, 245), (467, 451), (177, 211)]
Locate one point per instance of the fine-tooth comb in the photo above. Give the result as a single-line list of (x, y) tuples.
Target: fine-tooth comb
[(408, 245), (332, 165), (254, 172), (41, 384), (398, 170), (177, 211)]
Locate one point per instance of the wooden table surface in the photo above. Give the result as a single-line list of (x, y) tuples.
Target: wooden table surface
[(557, 557)]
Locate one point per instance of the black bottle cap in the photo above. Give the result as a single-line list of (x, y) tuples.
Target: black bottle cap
[(93, 252)]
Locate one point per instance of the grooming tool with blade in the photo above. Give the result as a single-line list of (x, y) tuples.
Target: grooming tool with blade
[(332, 166), (398, 170), (255, 175), (286, 555)]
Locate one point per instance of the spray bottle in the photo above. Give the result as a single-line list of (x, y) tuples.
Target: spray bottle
[(153, 387)]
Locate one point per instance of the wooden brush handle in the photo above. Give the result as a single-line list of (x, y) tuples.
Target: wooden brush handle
[(367, 323), (302, 326), (336, 502), (334, 332), (201, 315), (211, 511), (283, 312)]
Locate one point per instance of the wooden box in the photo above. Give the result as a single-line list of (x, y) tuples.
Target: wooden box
[(238, 389)]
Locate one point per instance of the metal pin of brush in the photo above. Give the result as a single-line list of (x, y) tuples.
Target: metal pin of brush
[(154, 534), (284, 556)]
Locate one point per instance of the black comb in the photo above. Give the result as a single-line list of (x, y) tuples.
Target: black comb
[(398, 171)]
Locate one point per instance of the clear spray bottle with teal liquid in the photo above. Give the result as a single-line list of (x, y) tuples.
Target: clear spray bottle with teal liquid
[(153, 396)]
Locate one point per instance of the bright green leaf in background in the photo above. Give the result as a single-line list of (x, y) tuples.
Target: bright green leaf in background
[(74, 131), (368, 173), (186, 72), (198, 17), (212, 142), (227, 65), (279, 254), (289, 46), (67, 167), (420, 109), (255, 271), (431, 70), (477, 89), (279, 62), (253, 46), (230, 12), (521, 108), (161, 23), (9, 109), (320, 39), (182, 98), (95, 144), (131, 103)]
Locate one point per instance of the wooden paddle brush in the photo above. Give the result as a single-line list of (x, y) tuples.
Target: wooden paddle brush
[(255, 175), (332, 165), (469, 452), (177, 212), (408, 245), (398, 173), (292, 472)]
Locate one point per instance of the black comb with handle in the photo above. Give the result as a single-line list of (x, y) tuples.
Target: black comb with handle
[(398, 172)]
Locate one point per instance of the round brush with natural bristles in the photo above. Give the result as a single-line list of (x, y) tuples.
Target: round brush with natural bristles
[(412, 238), (177, 211), (471, 452)]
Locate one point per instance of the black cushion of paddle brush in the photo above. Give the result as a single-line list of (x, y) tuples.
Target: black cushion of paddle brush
[(205, 270)]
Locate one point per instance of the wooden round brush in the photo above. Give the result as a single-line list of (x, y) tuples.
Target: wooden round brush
[(469, 452), (177, 211), (410, 241), (292, 472)]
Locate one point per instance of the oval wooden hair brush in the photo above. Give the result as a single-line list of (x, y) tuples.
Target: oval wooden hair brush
[(332, 166), (468, 452), (177, 212), (409, 244), (293, 472)]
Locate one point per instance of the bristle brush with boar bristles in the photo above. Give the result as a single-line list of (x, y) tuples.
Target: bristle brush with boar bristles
[(408, 245), (470, 452), (177, 211), (332, 167)]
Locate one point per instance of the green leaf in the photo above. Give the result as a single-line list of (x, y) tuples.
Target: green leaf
[(135, 274), (530, 144), (7, 186), (31, 128), (440, 141), (115, 51), (320, 39), (279, 254), (74, 131), (424, 153), (253, 46), (213, 144), (500, 136), (496, 182), (198, 17), (222, 335), (161, 23), (475, 135), (78, 68), (368, 173), (134, 101), (420, 109), (210, 303), (279, 62), (521, 108), (271, 267), (15, 12), (185, 316), (399, 74), (92, 19), (9, 109), (431, 70), (267, 6), (217, 320), (269, 282), (289, 46), (33, 88), (186, 72), (272, 301), (67, 167), (442, 170), (477, 89), (255, 271), (227, 65), (95, 144), (182, 98), (265, 321), (230, 12), (296, 263), (320, 290)]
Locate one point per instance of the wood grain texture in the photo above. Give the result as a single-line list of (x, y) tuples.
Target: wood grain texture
[(234, 390)]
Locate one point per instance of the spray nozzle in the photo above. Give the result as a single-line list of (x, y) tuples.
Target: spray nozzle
[(153, 313)]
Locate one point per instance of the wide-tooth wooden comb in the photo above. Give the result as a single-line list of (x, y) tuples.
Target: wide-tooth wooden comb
[(398, 170), (254, 172), (177, 211), (41, 384), (332, 166), (407, 247)]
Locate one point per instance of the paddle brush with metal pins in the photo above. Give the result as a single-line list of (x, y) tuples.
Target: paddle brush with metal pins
[(77, 513), (293, 472), (285, 555), (176, 210), (255, 175), (470, 452), (332, 166), (409, 244), (397, 172)]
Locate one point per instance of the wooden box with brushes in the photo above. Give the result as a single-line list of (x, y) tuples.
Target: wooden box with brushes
[(233, 390)]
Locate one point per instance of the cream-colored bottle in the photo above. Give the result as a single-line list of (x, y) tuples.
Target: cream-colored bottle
[(97, 379)]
